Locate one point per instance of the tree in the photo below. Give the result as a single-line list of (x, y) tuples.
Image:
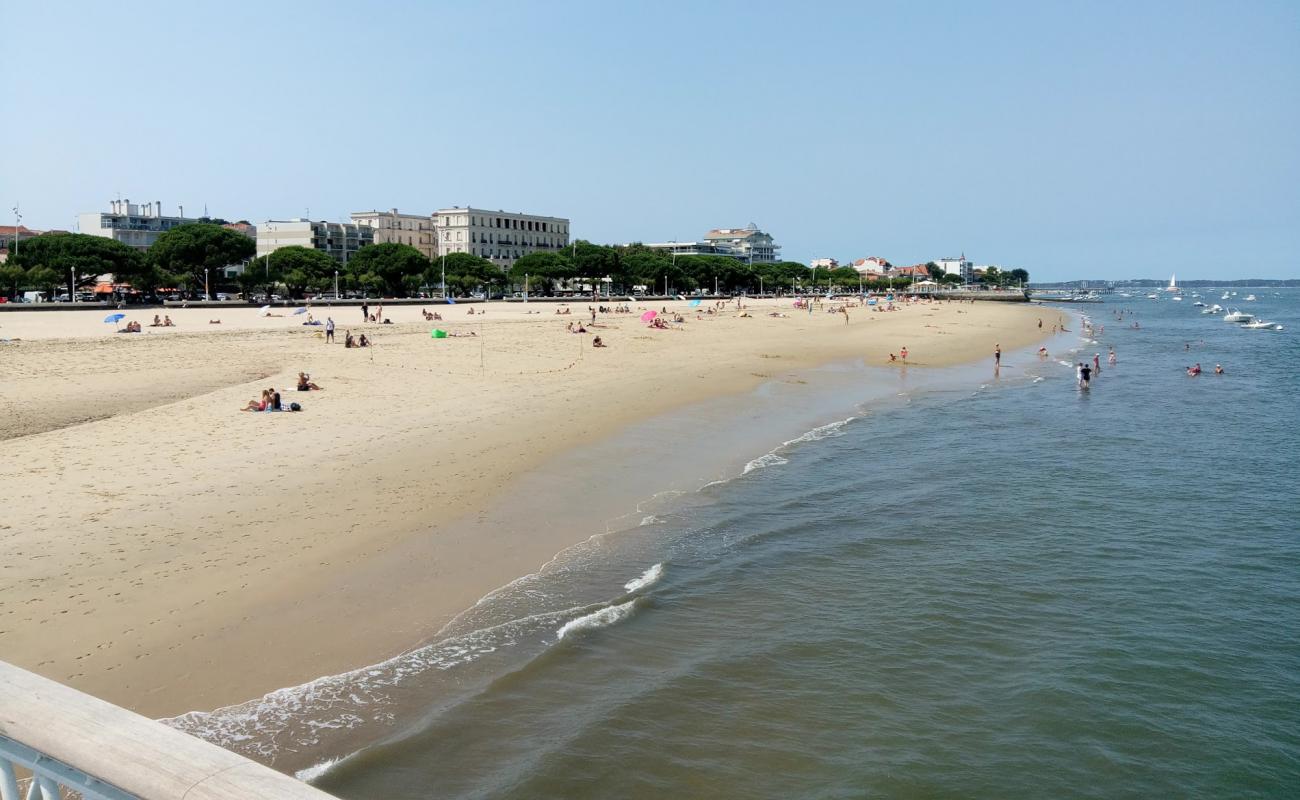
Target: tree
[(1019, 276), (301, 268), (391, 263), (541, 270), (11, 278), (86, 256), (186, 251), (466, 272)]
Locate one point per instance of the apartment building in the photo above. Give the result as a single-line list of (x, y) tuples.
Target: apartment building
[(339, 240), (746, 244), (957, 266), (137, 225), (502, 237), (415, 230)]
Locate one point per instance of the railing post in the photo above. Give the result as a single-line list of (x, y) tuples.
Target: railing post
[(8, 781)]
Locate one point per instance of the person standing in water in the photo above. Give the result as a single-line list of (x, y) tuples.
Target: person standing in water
[(1111, 358), (1085, 376), (997, 355), (1096, 362)]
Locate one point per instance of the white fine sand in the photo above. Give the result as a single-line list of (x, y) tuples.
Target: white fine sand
[(167, 552)]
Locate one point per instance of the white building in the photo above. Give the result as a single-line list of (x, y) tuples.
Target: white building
[(502, 237), (957, 266), (748, 243), (415, 230), (136, 225), (745, 244), (824, 263), (872, 266), (339, 240)]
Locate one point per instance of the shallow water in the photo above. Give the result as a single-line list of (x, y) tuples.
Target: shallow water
[(964, 586)]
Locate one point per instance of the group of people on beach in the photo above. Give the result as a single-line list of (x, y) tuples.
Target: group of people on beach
[(165, 322), (271, 401)]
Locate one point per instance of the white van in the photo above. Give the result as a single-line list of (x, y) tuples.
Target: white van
[(33, 297)]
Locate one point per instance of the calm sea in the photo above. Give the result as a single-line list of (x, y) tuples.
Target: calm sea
[(956, 585)]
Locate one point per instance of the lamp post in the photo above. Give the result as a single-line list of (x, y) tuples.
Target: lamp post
[(18, 219), (207, 295), (72, 273), (336, 286)]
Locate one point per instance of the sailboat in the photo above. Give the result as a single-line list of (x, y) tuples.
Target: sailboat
[(1173, 284)]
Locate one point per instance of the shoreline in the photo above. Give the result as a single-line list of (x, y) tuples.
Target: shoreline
[(314, 555)]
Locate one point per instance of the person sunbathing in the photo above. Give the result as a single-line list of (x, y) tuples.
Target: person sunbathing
[(597, 342), (167, 322), (363, 341), (157, 322), (214, 322), (305, 383), (348, 340), (258, 405)]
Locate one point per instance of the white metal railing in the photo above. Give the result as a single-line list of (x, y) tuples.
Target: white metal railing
[(68, 743)]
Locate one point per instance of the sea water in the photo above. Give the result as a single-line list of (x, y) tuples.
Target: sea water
[(980, 586)]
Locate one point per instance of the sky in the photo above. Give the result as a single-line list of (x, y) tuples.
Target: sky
[(1072, 139)]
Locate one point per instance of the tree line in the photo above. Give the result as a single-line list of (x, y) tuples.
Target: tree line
[(193, 258)]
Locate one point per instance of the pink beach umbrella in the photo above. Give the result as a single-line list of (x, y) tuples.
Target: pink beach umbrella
[(649, 315)]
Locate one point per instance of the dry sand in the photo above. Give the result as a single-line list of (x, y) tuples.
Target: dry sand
[(166, 552)]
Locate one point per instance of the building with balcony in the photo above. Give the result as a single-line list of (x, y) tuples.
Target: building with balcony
[(957, 266), (748, 243), (415, 230), (745, 244), (136, 225), (502, 237), (339, 240)]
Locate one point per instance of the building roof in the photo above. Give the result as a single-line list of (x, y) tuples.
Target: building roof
[(23, 230)]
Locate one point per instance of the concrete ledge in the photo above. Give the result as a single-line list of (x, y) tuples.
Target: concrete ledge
[(141, 757)]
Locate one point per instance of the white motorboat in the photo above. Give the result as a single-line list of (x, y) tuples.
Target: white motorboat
[(1225, 296), (1250, 297), (1261, 325), (1153, 297), (1234, 315), (1176, 297), (1199, 304)]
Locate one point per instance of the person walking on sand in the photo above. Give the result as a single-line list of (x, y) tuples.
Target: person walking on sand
[(1040, 323), (329, 330), (365, 312), (903, 354)]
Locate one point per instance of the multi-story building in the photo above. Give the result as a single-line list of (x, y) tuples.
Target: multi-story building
[(339, 240), (746, 244), (499, 236), (136, 225), (957, 266), (390, 226), (824, 263), (242, 227), (872, 267)]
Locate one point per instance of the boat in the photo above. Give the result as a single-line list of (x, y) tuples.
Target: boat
[(1173, 284), (1153, 297), (1199, 304), (1175, 297), (1234, 315), (1225, 296), (1261, 325), (1250, 297)]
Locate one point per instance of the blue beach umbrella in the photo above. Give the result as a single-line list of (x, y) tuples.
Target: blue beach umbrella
[(302, 310), (114, 317), (451, 301), (695, 303)]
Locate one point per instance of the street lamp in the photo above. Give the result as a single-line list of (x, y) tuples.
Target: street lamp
[(336, 285), (207, 295), (72, 272)]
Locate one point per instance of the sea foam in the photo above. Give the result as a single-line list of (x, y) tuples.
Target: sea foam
[(597, 619), (647, 578)]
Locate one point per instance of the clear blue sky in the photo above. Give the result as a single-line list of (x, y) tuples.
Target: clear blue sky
[(1107, 139)]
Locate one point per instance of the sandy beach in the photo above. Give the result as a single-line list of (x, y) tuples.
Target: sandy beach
[(166, 552)]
